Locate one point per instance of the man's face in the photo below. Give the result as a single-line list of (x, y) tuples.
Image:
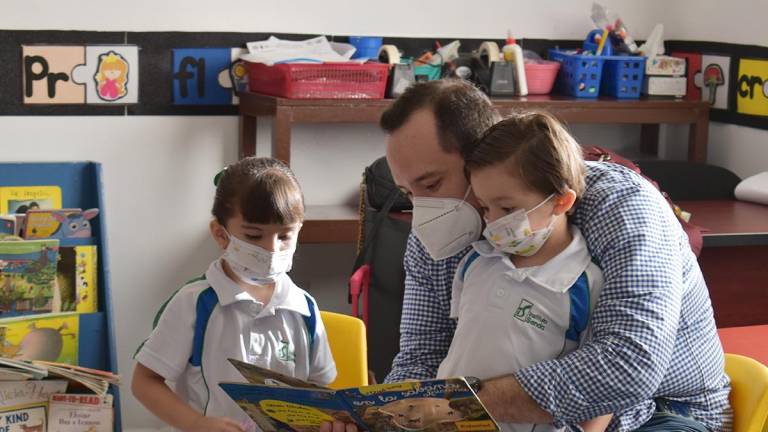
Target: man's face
[(420, 167)]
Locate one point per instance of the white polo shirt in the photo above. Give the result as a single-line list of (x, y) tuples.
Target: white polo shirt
[(274, 336), (510, 318)]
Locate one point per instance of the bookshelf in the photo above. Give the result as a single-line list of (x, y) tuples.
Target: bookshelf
[(81, 187)]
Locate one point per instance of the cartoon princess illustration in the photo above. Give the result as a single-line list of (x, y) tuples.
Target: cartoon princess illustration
[(112, 76)]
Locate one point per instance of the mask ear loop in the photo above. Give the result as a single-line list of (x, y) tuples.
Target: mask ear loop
[(463, 200), (551, 222), (540, 204)]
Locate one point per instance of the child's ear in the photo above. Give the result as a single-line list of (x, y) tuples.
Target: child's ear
[(564, 202), (219, 233)]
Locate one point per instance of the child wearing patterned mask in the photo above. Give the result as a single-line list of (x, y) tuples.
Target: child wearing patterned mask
[(524, 294), (245, 307)]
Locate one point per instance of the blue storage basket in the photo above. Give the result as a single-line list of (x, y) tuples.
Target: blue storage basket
[(579, 75), (622, 74)]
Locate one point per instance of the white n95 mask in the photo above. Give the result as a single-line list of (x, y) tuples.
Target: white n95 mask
[(512, 233), (252, 263), (445, 226)]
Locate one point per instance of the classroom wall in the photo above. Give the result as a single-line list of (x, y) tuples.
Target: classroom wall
[(741, 149), (158, 170)]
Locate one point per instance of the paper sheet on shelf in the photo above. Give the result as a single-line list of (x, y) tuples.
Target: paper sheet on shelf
[(314, 50)]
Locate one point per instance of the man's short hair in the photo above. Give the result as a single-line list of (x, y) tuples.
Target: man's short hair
[(463, 112)]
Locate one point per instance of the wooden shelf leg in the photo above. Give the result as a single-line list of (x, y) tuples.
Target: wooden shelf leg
[(281, 135), (247, 136), (649, 139), (698, 136)]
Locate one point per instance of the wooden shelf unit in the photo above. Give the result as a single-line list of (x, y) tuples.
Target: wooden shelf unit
[(339, 224)]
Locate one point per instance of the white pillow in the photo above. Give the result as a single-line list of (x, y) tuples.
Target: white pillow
[(754, 189)]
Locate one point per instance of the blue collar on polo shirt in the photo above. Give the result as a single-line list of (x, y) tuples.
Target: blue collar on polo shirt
[(558, 274)]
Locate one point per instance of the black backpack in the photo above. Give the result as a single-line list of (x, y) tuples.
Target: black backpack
[(378, 276)]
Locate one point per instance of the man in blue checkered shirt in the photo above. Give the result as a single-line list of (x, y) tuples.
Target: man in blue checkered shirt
[(654, 360)]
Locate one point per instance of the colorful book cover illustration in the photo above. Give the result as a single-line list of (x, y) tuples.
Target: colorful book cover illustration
[(51, 337), (25, 419), (80, 413), (24, 404), (20, 199), (447, 405), (59, 223), (7, 226), (76, 277), (27, 276)]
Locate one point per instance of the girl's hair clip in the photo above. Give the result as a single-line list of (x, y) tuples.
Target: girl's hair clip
[(217, 177)]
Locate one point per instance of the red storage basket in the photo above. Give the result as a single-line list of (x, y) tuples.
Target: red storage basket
[(319, 81)]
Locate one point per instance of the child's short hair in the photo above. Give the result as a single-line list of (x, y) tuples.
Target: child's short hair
[(537, 149), (264, 190)]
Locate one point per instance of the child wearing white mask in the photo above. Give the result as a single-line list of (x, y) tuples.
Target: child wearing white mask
[(524, 294), (245, 307)]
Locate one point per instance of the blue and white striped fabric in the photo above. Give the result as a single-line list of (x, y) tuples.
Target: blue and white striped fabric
[(654, 334)]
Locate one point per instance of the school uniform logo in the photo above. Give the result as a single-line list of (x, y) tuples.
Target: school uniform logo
[(525, 314), (286, 352)]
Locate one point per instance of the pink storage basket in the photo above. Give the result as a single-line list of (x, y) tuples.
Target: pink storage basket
[(541, 76)]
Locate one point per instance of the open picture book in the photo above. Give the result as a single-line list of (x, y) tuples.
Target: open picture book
[(279, 403)]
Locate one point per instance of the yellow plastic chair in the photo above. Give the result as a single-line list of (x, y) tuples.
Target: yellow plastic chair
[(346, 335), (749, 393)]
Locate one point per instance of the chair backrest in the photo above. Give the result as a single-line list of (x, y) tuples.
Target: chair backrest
[(749, 393), (691, 181), (346, 335)]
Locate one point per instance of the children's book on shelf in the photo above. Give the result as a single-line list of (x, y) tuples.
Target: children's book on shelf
[(447, 405), (97, 381), (80, 413), (50, 337), (7, 226), (24, 404), (76, 279), (20, 199), (23, 366), (27, 276), (79, 378), (59, 223)]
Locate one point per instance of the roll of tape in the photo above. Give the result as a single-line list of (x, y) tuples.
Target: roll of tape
[(389, 54), (491, 50)]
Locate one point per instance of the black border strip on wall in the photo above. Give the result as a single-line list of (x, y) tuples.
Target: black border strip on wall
[(155, 65)]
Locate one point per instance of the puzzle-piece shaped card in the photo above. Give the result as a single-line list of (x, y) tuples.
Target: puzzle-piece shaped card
[(94, 74), (204, 76)]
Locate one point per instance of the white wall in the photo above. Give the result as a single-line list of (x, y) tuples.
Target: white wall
[(158, 170), (543, 18)]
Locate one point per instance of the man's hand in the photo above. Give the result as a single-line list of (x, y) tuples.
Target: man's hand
[(338, 426), (507, 402)]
